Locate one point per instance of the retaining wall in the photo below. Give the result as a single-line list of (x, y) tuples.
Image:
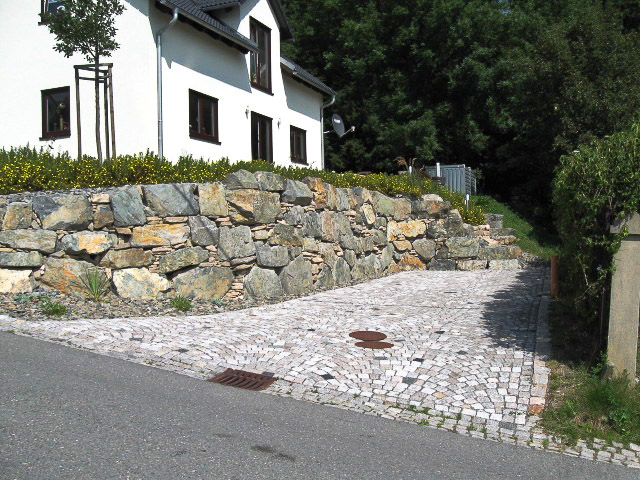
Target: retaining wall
[(251, 235)]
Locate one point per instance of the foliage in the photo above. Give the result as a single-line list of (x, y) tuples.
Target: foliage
[(181, 303), (23, 169), (96, 283), (506, 85), (53, 309), (593, 187), (532, 238)]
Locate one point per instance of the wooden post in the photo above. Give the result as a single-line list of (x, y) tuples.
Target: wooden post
[(78, 113), (113, 126), (106, 115)]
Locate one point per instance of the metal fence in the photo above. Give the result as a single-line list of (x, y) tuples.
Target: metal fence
[(457, 178)]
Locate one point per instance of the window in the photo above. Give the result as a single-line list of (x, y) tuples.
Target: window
[(298, 145), (56, 113), (203, 117), (261, 144), (49, 6), (261, 61)]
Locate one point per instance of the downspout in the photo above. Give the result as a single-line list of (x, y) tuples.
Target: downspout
[(324, 105), (173, 20)]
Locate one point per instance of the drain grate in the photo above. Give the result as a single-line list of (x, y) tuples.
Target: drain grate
[(367, 336), (375, 345), (242, 379)]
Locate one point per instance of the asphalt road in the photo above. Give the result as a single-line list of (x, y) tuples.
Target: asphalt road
[(70, 414)]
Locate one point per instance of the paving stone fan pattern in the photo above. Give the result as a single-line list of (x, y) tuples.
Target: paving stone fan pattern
[(251, 236)]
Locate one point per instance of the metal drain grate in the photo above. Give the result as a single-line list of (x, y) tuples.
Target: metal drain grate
[(242, 379)]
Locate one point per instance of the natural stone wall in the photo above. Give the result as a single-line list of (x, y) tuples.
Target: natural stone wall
[(252, 235)]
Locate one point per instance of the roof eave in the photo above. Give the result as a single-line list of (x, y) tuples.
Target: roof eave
[(291, 69), (244, 46)]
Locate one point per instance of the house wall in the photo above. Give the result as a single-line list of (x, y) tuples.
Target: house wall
[(191, 60)]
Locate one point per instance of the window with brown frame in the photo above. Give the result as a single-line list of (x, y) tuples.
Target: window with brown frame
[(56, 113), (261, 61), (261, 138), (298, 145), (203, 117)]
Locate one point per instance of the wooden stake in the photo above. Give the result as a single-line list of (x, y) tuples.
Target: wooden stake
[(78, 113), (113, 126)]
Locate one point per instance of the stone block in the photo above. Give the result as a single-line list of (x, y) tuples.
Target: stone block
[(471, 265), (66, 275), (441, 264), (127, 206), (140, 284), (18, 215), (408, 263), (240, 179), (368, 214), (206, 283), (343, 199), (286, 235), (183, 258), (501, 252), (270, 182), (88, 243), (20, 259), (319, 189), (41, 240), (402, 209), (159, 235), (311, 225), (341, 272), (432, 205), (325, 278), (103, 217), (295, 216), (253, 206), (297, 277), (213, 199), (235, 242), (272, 257), (366, 268), (171, 199), (127, 258), (462, 247), (262, 284), (15, 281), (504, 264), (297, 193), (204, 232), (409, 229), (382, 204), (63, 212), (425, 248)]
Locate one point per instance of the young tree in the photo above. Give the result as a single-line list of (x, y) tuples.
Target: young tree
[(87, 27)]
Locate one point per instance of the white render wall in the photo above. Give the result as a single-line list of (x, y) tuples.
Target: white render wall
[(191, 60)]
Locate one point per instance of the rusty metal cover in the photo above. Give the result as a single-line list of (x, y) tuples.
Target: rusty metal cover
[(242, 379), (368, 336), (377, 345)]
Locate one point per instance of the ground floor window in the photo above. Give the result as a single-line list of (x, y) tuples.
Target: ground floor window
[(56, 113), (203, 117), (261, 139), (298, 145)]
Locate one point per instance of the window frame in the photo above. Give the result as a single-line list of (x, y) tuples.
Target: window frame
[(198, 135), (44, 9), (47, 135), (256, 118), (293, 132), (256, 26)]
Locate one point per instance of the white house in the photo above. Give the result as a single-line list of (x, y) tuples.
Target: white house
[(214, 67)]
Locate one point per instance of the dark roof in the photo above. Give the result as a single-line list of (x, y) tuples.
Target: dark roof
[(192, 12), (300, 74)]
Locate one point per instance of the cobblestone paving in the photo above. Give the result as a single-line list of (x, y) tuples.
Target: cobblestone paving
[(468, 352)]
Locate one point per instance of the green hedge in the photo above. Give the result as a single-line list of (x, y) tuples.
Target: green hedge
[(593, 186), (25, 169)]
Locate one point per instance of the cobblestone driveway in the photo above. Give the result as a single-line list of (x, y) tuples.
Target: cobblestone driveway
[(464, 342)]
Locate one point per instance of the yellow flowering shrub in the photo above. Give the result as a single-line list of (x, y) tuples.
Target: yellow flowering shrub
[(26, 169)]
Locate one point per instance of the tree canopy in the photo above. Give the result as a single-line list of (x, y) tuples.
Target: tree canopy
[(506, 86)]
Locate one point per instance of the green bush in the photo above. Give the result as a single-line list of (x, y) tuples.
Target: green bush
[(181, 303), (26, 169), (593, 186)]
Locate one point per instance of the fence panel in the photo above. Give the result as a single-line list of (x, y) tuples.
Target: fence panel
[(458, 178)]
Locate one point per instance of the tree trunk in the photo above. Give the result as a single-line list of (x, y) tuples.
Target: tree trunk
[(97, 85)]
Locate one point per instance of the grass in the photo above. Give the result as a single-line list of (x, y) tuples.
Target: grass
[(581, 404), (96, 283), (181, 303), (532, 239), (53, 309)]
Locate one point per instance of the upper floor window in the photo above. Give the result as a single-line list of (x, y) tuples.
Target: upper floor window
[(50, 6), (261, 61), (298, 145), (56, 113), (203, 116)]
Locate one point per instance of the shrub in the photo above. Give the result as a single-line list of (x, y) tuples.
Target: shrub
[(26, 169), (593, 186), (96, 283), (53, 309), (181, 303)]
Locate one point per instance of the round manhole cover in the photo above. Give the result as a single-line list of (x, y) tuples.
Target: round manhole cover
[(368, 336), (376, 345)]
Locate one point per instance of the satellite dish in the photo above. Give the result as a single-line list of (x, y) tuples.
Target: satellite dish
[(338, 124)]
